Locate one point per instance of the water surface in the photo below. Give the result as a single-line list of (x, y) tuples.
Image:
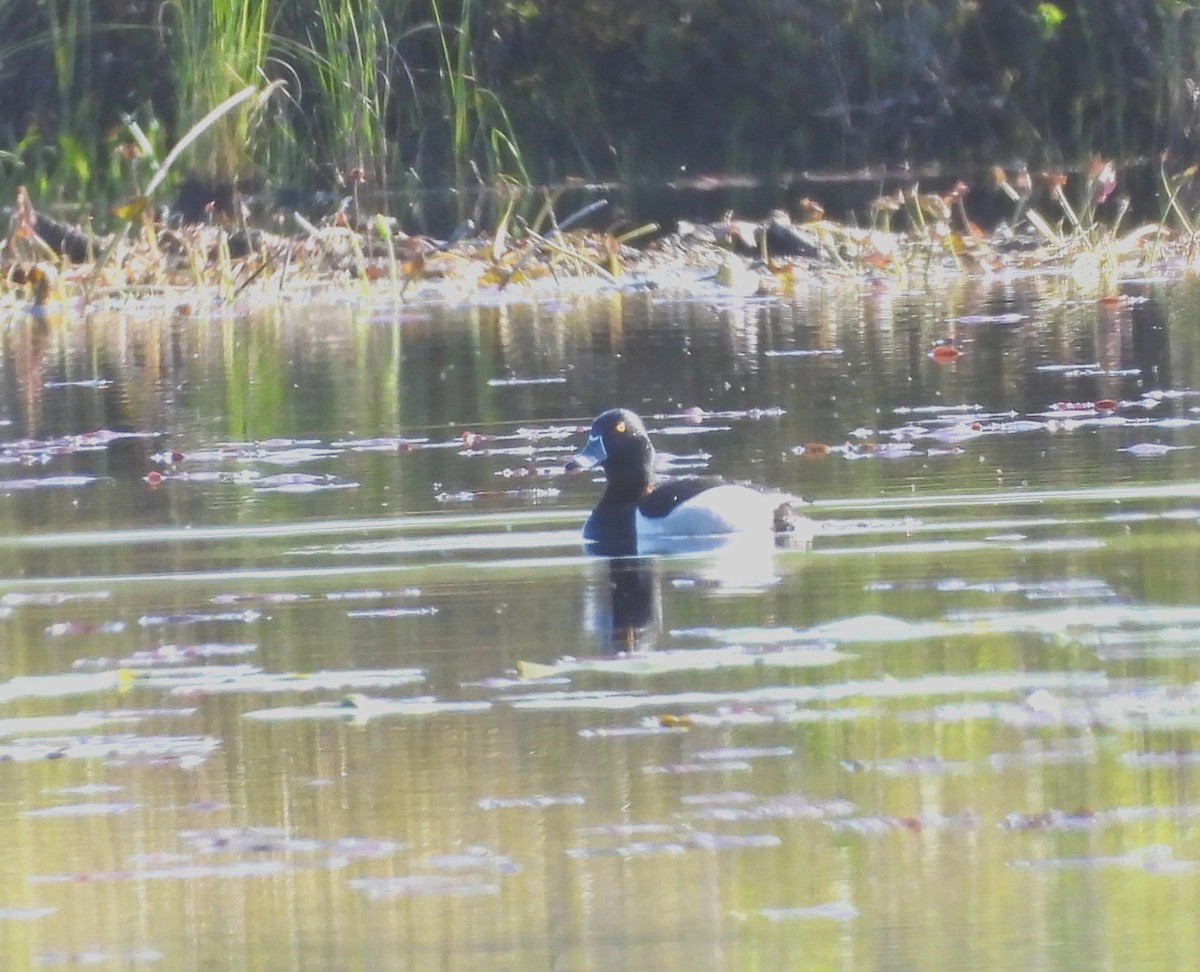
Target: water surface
[(304, 668)]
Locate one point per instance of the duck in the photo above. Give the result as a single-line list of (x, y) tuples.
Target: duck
[(637, 515)]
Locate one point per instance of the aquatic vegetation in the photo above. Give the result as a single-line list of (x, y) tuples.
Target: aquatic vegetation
[(941, 431), (471, 105), (183, 752), (220, 49), (204, 267), (461, 93), (355, 64)]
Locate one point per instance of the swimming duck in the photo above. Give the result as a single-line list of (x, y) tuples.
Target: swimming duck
[(636, 515)]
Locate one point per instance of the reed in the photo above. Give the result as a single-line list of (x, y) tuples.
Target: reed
[(53, 159), (219, 48), (77, 142), (443, 87), (455, 74), (139, 207), (478, 119), (354, 63)]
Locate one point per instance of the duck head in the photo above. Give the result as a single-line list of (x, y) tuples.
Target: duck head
[(619, 444)]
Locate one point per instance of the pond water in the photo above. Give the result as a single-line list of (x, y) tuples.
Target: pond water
[(303, 666)]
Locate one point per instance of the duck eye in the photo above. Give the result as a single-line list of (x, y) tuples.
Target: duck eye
[(619, 428)]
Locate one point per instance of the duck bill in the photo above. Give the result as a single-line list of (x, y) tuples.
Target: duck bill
[(590, 455)]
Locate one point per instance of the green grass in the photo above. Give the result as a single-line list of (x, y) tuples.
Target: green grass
[(219, 48), (478, 120)]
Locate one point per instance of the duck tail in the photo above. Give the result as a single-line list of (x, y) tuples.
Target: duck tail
[(785, 517)]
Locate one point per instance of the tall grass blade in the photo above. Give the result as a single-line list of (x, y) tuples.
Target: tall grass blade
[(204, 124), (193, 133)]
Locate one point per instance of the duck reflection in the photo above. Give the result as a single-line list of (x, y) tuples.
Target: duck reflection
[(624, 607), (26, 345)]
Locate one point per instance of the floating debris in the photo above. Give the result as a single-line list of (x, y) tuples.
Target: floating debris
[(199, 617), (298, 483), (1098, 372), (803, 353), (632, 849), (886, 824), (724, 842), (1158, 858), (422, 885), (47, 482), (711, 766), (200, 682), (470, 496), (680, 842), (538, 802), (1081, 819), (70, 629), (99, 956), (655, 728), (76, 722), (360, 708), (520, 382), (745, 752), (945, 352), (626, 829), (1144, 450), (387, 444), (1158, 759), (86, 789), (82, 810), (184, 751), (371, 595), (58, 686), (473, 858), (278, 597), (1006, 320), (168, 655), (275, 840), (775, 698), (723, 797), (181, 872), (1074, 621), (25, 914), (909, 766), (79, 383), (51, 598), (686, 659), (394, 612), (734, 808), (937, 409), (833, 911)]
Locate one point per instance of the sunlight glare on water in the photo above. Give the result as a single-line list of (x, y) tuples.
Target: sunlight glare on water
[(304, 666)]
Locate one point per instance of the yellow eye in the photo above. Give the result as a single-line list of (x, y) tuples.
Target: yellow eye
[(619, 428)]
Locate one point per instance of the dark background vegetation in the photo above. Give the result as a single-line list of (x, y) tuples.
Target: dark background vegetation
[(536, 90)]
